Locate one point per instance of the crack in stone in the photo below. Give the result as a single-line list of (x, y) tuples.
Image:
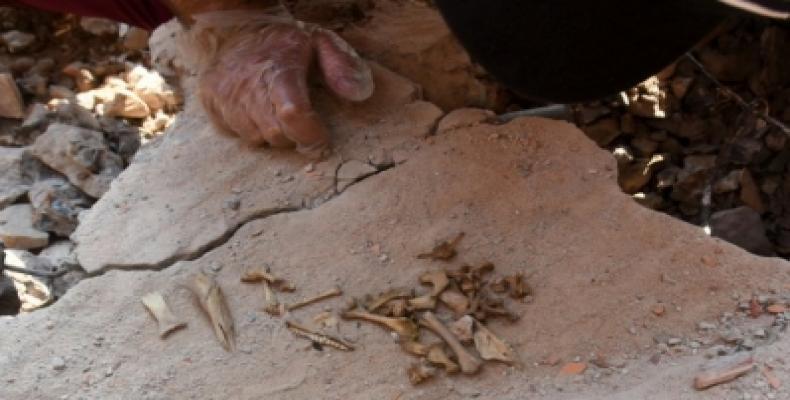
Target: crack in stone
[(229, 233)]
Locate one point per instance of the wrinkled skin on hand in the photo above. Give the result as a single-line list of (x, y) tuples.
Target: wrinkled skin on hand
[(256, 87)]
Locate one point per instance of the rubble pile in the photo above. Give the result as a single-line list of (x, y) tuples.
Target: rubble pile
[(705, 140), (78, 99)]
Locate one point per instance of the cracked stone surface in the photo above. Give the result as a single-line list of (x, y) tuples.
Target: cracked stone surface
[(190, 174), (598, 263)]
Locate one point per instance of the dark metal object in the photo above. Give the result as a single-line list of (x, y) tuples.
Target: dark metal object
[(565, 51)]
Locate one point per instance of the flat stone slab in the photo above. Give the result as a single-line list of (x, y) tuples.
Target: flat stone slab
[(17, 231), (533, 196), (200, 186)]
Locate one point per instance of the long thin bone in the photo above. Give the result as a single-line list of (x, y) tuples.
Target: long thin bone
[(317, 337), (168, 322), (469, 362), (213, 303), (404, 327), (335, 291)]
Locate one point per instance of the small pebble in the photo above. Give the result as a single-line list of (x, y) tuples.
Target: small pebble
[(58, 363)]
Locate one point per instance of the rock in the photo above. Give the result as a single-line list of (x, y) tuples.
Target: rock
[(743, 151), (60, 256), (80, 154), (775, 141), (57, 363), (730, 183), (653, 201), (60, 92), (750, 192), (9, 298), (37, 120), (99, 26), (691, 180), (645, 145), (647, 99), (680, 86), (122, 103), (11, 104), (17, 41), (691, 127), (73, 114), (463, 118), (34, 292), (151, 88), (56, 205), (82, 76), (13, 184), (59, 253), (706, 326), (733, 66), (352, 171), (667, 177), (136, 39), (635, 176), (17, 231), (742, 227), (604, 131)]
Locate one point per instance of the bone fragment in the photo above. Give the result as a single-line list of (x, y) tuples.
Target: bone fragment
[(444, 251), (168, 322), (420, 372), (437, 356), (469, 362), (213, 303), (270, 303), (316, 337), (323, 296), (404, 327), (490, 347)]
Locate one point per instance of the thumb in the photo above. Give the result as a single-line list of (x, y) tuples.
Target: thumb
[(344, 71)]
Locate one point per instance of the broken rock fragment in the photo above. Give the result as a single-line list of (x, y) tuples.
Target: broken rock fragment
[(56, 205), (11, 104), (13, 184), (81, 154), (742, 227), (17, 231), (17, 41)]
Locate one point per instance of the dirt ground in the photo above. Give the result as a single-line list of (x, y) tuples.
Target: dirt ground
[(641, 299)]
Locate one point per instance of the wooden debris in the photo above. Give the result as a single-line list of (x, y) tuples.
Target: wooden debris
[(323, 296), (213, 303), (168, 322), (444, 251), (724, 370), (316, 337)]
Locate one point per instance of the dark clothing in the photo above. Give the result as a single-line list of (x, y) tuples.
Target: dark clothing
[(146, 14)]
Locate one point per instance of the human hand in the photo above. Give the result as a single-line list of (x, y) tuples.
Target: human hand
[(254, 83)]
